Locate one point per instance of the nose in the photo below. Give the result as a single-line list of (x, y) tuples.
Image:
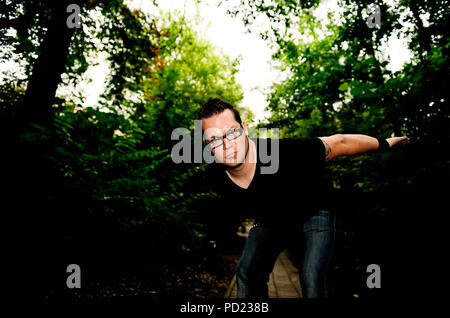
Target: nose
[(228, 145)]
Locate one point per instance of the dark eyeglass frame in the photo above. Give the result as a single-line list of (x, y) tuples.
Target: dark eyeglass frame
[(227, 135)]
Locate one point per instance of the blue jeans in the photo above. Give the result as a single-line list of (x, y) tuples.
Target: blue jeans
[(265, 243)]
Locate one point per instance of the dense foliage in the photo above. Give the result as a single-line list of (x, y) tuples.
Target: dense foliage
[(100, 178), (339, 81)]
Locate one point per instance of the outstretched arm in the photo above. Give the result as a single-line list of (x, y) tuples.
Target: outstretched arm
[(350, 144)]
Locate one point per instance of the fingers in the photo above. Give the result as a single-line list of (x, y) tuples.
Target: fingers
[(401, 141), (405, 140)]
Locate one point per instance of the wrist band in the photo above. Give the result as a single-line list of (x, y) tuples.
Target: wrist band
[(383, 145)]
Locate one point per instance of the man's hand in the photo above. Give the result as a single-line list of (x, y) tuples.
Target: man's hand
[(397, 141)]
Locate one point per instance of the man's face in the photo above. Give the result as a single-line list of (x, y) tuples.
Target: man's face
[(231, 152)]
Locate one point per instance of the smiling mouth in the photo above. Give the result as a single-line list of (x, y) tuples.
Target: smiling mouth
[(232, 155)]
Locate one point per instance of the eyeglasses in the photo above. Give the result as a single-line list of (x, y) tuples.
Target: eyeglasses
[(230, 135)]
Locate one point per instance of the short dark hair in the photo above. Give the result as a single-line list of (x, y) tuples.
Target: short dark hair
[(216, 106)]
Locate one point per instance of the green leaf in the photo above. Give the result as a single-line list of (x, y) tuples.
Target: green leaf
[(343, 87), (356, 91)]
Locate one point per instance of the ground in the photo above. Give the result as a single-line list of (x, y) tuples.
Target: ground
[(206, 277)]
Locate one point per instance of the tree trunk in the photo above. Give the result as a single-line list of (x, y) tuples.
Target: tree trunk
[(48, 67), (37, 219), (422, 36)]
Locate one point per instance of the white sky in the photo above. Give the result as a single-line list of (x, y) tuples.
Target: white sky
[(255, 70)]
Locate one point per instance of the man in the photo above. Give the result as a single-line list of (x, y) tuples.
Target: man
[(290, 204)]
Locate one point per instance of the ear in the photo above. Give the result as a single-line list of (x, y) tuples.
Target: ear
[(244, 125)]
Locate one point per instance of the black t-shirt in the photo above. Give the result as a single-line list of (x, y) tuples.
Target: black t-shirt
[(294, 192)]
